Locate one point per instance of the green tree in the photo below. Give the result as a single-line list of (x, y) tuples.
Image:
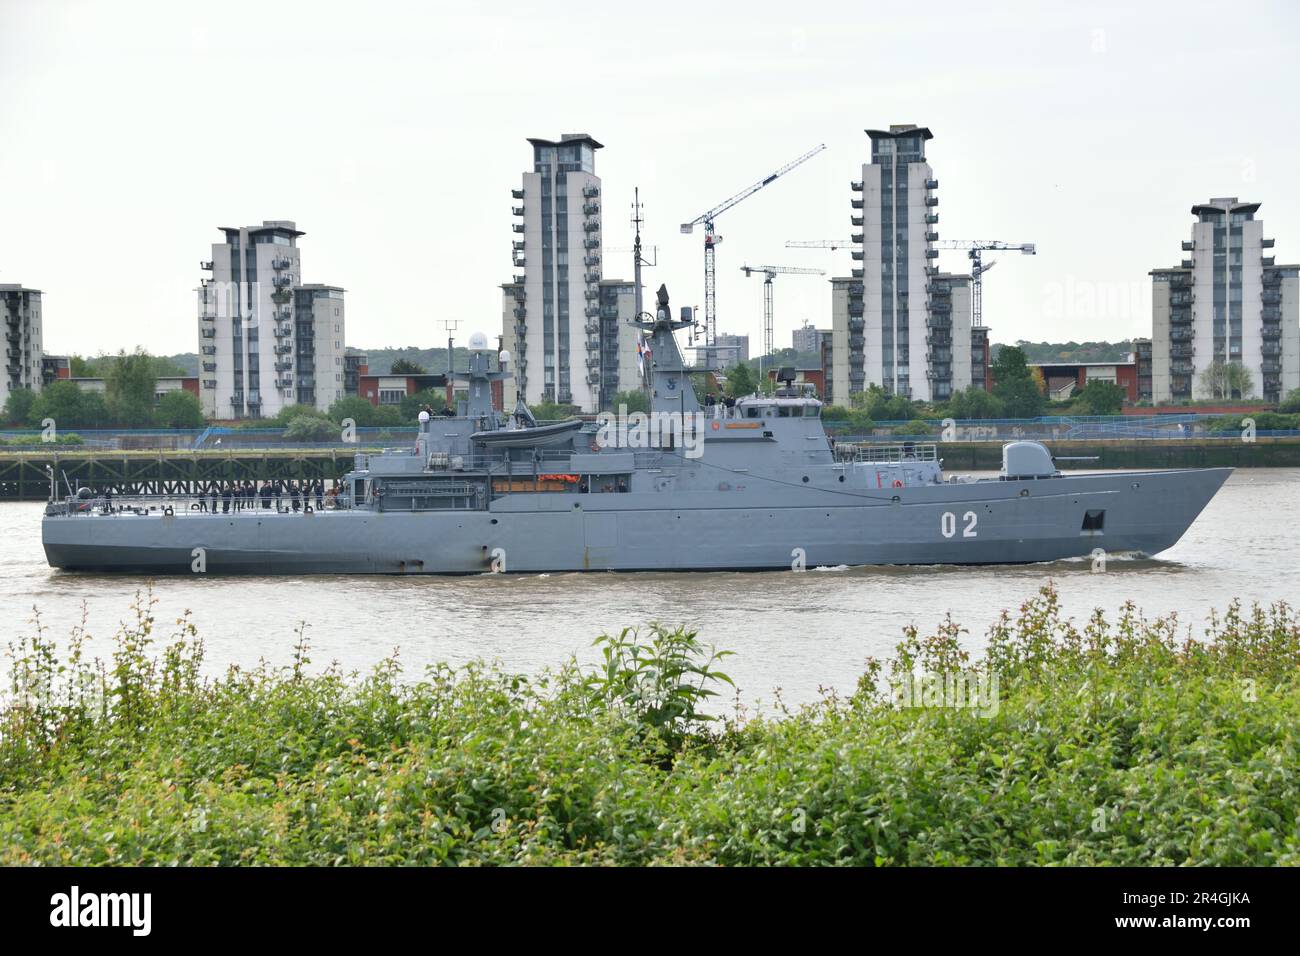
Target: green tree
[(1099, 398), (741, 380), (356, 408), (1225, 380), (19, 405), (409, 410), (1291, 404), (1014, 385), (68, 405), (129, 384), (552, 411), (974, 403), (310, 428), (179, 409), (635, 399), (407, 367)]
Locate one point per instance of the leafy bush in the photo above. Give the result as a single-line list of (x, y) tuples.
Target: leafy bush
[(311, 428), (1290, 405), (1110, 742)]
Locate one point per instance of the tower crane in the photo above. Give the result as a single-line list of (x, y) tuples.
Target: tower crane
[(975, 248), (711, 239), (770, 273)]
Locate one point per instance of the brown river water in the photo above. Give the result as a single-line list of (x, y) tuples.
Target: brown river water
[(793, 631)]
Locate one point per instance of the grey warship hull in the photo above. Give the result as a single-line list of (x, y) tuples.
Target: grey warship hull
[(758, 485), (981, 522)]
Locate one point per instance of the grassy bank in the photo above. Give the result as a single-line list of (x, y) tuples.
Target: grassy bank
[(1102, 742)]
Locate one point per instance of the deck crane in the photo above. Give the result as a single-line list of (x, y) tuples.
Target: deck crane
[(770, 273), (711, 239), (975, 248)]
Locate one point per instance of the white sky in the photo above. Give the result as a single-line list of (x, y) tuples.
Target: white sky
[(392, 133)]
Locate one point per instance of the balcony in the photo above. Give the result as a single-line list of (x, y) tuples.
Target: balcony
[(207, 316), (931, 237), (857, 237), (285, 349), (932, 184), (1181, 298), (521, 332), (517, 193), (592, 312), (237, 399), (591, 260), (592, 328), (1188, 245), (1180, 335), (209, 333), (1271, 348), (1188, 264), (283, 333), (1181, 351), (519, 262), (857, 341), (856, 273), (1266, 243), (856, 186), (1180, 367), (1268, 260), (1270, 297), (932, 253), (284, 383), (856, 204), (855, 220), (516, 210), (1271, 368), (592, 276), (281, 263), (517, 246), (590, 208), (282, 282), (857, 255), (206, 265), (855, 308), (208, 350), (591, 244), (209, 366), (932, 200), (520, 313), (516, 227), (590, 192), (591, 295), (591, 225)]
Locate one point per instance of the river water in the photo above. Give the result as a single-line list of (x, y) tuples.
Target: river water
[(793, 631)]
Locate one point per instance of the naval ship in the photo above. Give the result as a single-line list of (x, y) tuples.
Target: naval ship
[(756, 486)]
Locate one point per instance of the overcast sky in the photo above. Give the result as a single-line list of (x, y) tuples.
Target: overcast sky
[(392, 133)]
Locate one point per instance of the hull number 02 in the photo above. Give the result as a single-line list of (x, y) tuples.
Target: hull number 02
[(948, 524)]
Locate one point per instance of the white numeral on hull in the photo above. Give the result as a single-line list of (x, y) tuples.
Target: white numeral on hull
[(948, 524)]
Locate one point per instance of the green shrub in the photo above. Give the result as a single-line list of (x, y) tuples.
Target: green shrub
[(1108, 742)]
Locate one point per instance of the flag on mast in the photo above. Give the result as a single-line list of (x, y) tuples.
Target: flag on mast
[(642, 353)]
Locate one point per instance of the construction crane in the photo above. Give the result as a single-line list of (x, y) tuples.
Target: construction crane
[(975, 248), (711, 239), (770, 273)]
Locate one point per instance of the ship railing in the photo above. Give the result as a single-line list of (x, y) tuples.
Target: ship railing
[(186, 504), (871, 452)]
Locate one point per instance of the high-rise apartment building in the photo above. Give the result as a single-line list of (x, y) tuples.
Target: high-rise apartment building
[(806, 338), (552, 320), (266, 340), (1227, 303), (956, 353), (896, 210), (20, 317)]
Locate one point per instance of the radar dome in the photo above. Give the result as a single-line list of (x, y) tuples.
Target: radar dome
[(504, 357), (478, 342)]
